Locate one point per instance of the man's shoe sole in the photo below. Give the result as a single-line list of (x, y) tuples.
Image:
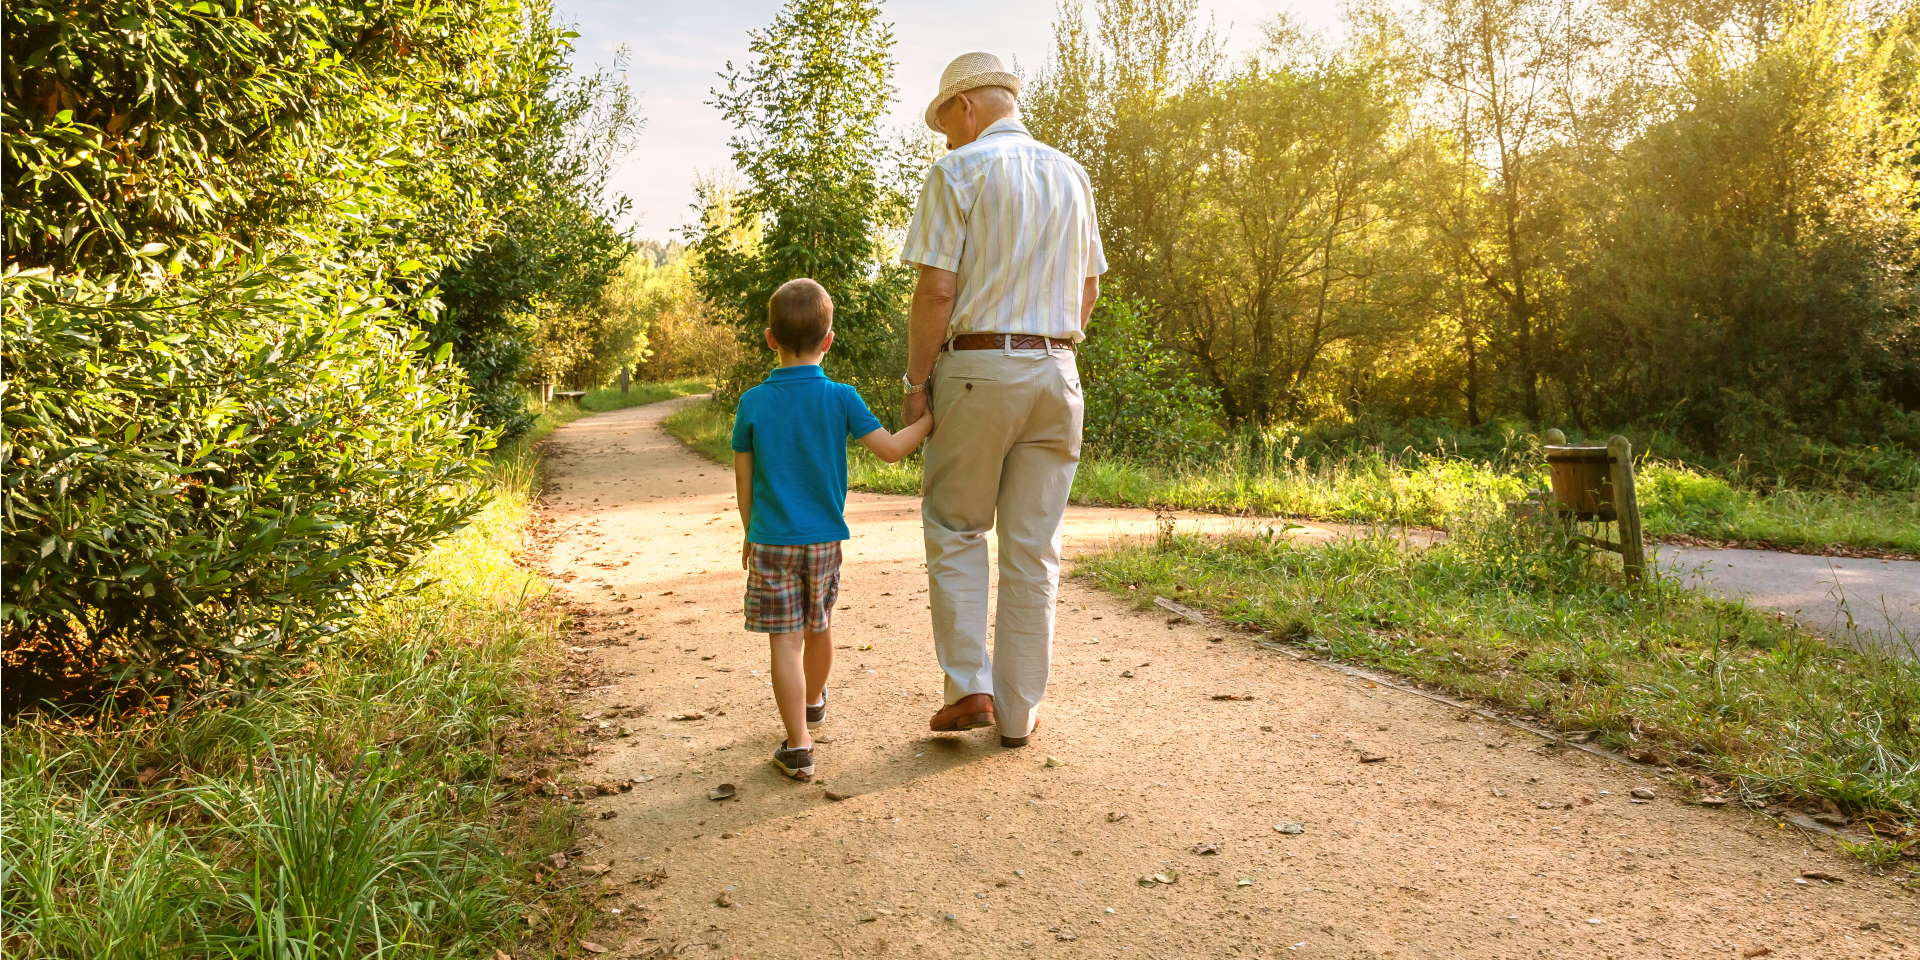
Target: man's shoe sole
[(1014, 742), (967, 721)]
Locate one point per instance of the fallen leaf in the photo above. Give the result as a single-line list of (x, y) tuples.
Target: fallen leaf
[(1232, 696), (1822, 875), (725, 791), (1054, 762), (695, 715), (1113, 817), (1369, 757), (591, 947), (1756, 951), (1289, 827), (837, 795), (1244, 882), (1204, 849)]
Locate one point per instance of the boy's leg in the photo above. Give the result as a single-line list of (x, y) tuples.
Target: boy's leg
[(790, 686), (819, 662)]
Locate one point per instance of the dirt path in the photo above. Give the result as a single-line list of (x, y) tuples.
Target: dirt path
[(1467, 841)]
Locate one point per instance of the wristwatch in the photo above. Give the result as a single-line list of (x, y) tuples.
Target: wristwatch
[(913, 388)]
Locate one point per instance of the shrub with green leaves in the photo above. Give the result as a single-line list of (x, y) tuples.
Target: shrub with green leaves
[(199, 490), (1142, 400), (222, 429)]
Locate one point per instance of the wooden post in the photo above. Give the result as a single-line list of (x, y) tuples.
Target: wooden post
[(625, 380), (546, 391), (1626, 508)]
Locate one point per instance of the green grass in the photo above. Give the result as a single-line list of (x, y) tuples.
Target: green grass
[(1750, 706), (1428, 490), (365, 809), (610, 398)]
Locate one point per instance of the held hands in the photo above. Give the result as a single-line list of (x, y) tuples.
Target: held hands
[(915, 406)]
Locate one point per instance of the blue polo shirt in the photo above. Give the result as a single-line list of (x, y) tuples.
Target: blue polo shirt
[(796, 424)]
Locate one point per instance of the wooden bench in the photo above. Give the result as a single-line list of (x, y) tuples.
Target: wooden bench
[(569, 396)]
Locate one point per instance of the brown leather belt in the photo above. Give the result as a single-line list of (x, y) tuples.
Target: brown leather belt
[(1009, 341)]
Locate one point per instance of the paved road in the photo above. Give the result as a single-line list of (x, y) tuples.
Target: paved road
[(1866, 603)]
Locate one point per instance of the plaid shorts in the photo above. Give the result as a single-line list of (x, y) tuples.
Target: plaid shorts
[(792, 587)]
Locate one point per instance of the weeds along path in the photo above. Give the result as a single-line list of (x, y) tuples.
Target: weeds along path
[(1141, 822)]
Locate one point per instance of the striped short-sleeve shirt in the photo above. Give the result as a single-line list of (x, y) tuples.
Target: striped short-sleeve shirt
[(1013, 218)]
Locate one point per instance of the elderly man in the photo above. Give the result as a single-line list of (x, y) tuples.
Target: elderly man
[(1010, 260)]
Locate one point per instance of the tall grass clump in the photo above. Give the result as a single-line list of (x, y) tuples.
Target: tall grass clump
[(1749, 704), (366, 807), (1327, 479)]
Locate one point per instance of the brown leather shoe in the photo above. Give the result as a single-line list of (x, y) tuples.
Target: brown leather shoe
[(1013, 742), (971, 712)]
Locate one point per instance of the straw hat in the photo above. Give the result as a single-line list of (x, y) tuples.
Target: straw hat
[(970, 71)]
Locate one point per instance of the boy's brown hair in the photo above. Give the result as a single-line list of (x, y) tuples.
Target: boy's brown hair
[(800, 314)]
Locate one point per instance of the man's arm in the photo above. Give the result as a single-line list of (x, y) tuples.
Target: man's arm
[(1089, 292), (893, 447), (743, 492), (926, 331)]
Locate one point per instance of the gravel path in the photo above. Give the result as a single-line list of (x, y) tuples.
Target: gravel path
[(1467, 840)]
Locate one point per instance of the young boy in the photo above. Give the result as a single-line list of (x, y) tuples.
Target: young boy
[(790, 474)]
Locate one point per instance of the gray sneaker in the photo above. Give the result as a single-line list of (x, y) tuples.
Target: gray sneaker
[(817, 713), (794, 762)]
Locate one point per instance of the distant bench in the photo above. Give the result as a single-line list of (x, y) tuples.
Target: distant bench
[(569, 396)]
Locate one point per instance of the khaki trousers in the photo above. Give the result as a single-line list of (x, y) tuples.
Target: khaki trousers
[(1005, 446)]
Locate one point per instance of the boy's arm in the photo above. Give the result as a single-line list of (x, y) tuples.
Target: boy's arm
[(743, 492), (891, 447)]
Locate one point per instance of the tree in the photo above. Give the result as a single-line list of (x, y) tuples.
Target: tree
[(526, 304), (1758, 276), (816, 200)]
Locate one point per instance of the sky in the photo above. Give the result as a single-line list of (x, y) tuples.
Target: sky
[(676, 50)]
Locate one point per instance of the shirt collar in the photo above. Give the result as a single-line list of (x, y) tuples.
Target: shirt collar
[(1004, 125), (799, 371)]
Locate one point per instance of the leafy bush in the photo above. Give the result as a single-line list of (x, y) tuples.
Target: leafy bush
[(222, 431), (1140, 399), (199, 488)]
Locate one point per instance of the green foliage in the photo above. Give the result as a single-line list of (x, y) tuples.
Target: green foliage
[(368, 808), (1695, 220), (1772, 290), (817, 199), (1141, 400), (539, 301), (1744, 702), (684, 336), (198, 492), (223, 432)]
